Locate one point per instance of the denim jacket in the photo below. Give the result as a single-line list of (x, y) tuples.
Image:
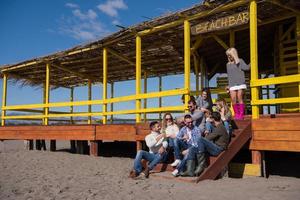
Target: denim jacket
[(195, 133)]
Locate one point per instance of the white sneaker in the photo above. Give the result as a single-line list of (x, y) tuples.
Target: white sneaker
[(175, 163), (175, 172)]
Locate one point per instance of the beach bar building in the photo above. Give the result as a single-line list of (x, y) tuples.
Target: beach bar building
[(192, 41)]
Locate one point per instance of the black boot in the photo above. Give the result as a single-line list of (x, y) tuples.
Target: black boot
[(201, 160), (190, 167)]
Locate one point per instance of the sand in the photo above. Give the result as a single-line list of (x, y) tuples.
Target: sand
[(62, 175)]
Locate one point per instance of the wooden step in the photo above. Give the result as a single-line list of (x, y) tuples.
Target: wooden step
[(217, 164)]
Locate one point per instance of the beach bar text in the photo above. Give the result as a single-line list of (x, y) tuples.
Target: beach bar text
[(221, 23)]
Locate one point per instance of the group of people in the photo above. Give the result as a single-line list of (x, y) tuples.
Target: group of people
[(191, 137), (199, 133)]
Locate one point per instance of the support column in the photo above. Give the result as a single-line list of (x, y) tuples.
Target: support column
[(112, 104), (72, 142), (104, 84), (46, 109), (187, 61), (145, 91), (298, 49), (160, 99), (89, 98), (256, 155), (196, 64), (138, 76), (138, 69), (254, 55), (4, 98)]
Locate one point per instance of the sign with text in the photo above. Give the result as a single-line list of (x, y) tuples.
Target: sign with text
[(221, 23)]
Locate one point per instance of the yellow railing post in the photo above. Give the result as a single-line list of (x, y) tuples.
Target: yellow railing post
[(298, 49), (254, 56), (71, 100), (112, 104), (187, 61), (104, 84), (145, 91), (138, 75), (46, 94), (89, 98), (4, 97), (160, 99), (196, 64)]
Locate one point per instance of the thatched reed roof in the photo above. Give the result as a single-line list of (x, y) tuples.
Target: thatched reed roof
[(162, 52)]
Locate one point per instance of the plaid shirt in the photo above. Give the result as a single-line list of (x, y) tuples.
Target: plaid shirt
[(195, 135)]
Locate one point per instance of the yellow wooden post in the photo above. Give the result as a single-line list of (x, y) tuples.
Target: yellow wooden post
[(257, 156), (187, 61), (4, 97), (231, 44), (253, 55), (89, 98), (145, 91), (112, 104), (104, 84), (298, 49), (71, 100), (138, 75), (160, 99), (196, 64), (46, 93)]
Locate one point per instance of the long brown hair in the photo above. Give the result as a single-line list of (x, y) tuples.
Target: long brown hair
[(164, 122), (222, 102)]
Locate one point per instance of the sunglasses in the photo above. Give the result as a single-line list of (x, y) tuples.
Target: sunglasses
[(169, 119)]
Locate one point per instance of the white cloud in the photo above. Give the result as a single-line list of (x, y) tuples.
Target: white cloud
[(72, 5), (111, 7), (116, 22), (82, 25), (90, 15)]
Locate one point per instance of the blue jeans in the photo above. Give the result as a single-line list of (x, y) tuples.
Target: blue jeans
[(190, 156), (178, 146), (153, 158), (205, 145), (171, 142), (227, 126), (209, 127)]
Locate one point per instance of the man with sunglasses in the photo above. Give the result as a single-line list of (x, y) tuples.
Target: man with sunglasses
[(186, 138)]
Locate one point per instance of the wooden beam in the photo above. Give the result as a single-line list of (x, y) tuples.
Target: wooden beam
[(74, 72), (276, 2), (221, 42), (121, 57)]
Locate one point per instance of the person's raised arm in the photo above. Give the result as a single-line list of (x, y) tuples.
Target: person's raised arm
[(243, 65)]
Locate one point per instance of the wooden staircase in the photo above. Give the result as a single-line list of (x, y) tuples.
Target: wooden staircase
[(216, 164)]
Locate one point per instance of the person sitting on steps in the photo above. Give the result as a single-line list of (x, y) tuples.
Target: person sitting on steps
[(213, 144), (157, 152), (186, 138)]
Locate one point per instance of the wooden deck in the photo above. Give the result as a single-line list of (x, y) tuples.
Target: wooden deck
[(269, 133), (281, 133)]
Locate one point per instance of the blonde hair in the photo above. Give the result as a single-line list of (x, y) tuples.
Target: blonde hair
[(234, 54)]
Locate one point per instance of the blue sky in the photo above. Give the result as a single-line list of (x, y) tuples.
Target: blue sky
[(35, 28)]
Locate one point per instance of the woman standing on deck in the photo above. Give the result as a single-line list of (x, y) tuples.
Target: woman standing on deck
[(236, 81)]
